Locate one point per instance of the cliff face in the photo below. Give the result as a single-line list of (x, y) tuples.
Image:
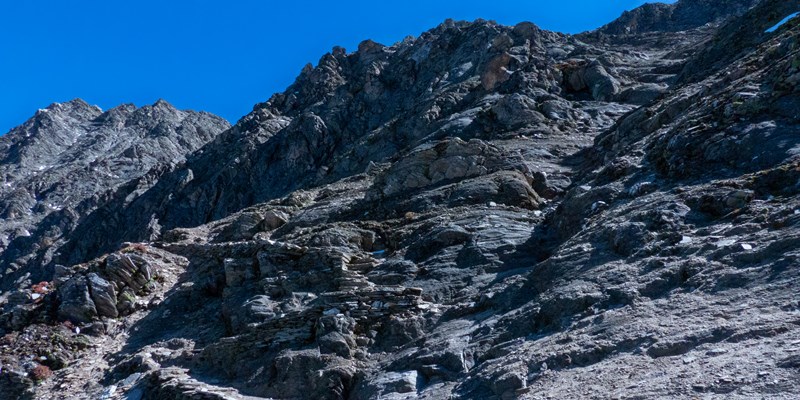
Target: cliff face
[(481, 212)]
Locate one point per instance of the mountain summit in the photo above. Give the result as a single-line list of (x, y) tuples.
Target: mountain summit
[(58, 166), (481, 212)]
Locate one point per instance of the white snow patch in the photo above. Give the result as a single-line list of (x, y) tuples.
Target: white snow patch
[(463, 69), (783, 21)]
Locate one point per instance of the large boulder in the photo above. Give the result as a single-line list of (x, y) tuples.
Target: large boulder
[(76, 302), (590, 77), (103, 295), (335, 335), (129, 269)]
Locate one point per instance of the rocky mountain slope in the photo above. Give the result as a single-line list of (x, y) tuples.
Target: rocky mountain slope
[(480, 212), (679, 16), (58, 166)]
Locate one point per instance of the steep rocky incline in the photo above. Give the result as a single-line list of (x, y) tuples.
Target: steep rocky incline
[(679, 16), (481, 212), (471, 80), (61, 164)]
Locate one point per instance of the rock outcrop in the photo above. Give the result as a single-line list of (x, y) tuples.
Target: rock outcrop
[(481, 212)]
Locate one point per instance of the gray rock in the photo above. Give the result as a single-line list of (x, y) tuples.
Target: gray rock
[(601, 84), (479, 212), (591, 77), (103, 295), (680, 16), (394, 383), (76, 302), (274, 219), (129, 270), (238, 271), (67, 160), (335, 335)]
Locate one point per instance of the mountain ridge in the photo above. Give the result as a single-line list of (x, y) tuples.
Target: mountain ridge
[(67, 155), (480, 212)]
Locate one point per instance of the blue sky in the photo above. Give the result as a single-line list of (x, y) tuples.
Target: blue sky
[(221, 57)]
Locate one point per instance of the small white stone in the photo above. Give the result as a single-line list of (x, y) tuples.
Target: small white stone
[(725, 243), (598, 205), (492, 204), (716, 352), (35, 296), (686, 240), (746, 246)]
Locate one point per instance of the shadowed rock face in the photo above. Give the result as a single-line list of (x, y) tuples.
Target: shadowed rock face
[(481, 212)]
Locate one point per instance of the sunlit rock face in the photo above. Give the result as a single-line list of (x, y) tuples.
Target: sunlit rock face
[(64, 162), (480, 212)]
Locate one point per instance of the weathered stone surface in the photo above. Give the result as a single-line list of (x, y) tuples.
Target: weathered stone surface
[(481, 212), (128, 269), (591, 77), (334, 335), (274, 219), (76, 302), (238, 271), (104, 296), (444, 162), (67, 160), (683, 15)]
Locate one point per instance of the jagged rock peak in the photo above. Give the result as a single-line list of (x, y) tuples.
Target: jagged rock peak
[(74, 106), (161, 103), (679, 16), (59, 165), (63, 114)]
